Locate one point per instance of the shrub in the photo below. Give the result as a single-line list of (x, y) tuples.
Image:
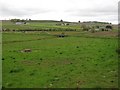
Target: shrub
[(38, 63), (7, 29), (3, 59), (31, 74), (60, 52), (41, 59), (77, 47), (16, 70), (118, 50), (13, 58), (109, 27), (112, 81), (14, 61)]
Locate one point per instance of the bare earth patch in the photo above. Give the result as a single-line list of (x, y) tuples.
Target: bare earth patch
[(105, 33), (63, 62), (28, 62)]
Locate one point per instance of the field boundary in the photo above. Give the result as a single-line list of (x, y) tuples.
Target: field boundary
[(0, 54)]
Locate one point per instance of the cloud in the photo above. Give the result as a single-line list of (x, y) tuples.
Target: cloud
[(70, 10), (95, 11), (19, 12), (108, 13)]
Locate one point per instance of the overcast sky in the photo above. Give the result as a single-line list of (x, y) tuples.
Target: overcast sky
[(68, 10)]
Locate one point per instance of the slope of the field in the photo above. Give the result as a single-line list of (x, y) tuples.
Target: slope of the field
[(75, 61)]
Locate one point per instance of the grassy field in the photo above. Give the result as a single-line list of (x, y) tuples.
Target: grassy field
[(40, 25), (81, 60), (48, 25)]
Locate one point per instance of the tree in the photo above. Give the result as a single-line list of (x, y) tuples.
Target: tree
[(108, 27), (78, 21), (61, 20), (29, 19), (22, 20), (15, 20)]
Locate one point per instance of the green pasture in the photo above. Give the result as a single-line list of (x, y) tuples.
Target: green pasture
[(40, 25), (77, 61)]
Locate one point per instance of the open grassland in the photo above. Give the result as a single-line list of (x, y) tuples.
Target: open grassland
[(81, 60), (40, 25), (48, 25)]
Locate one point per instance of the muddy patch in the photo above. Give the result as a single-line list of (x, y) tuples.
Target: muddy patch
[(28, 62), (64, 62), (106, 33)]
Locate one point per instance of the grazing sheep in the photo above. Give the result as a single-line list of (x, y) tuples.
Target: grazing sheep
[(26, 50)]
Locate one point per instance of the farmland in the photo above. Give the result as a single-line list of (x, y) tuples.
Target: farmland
[(79, 60), (39, 25)]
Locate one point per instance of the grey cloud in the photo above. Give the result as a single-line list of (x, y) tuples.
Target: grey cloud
[(13, 11), (89, 12)]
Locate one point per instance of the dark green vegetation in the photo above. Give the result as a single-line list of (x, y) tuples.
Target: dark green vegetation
[(80, 60)]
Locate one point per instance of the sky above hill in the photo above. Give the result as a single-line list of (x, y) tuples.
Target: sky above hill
[(67, 10)]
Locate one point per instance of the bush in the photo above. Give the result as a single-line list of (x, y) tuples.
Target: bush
[(16, 70), (3, 59), (7, 29), (118, 50), (77, 47), (109, 27)]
